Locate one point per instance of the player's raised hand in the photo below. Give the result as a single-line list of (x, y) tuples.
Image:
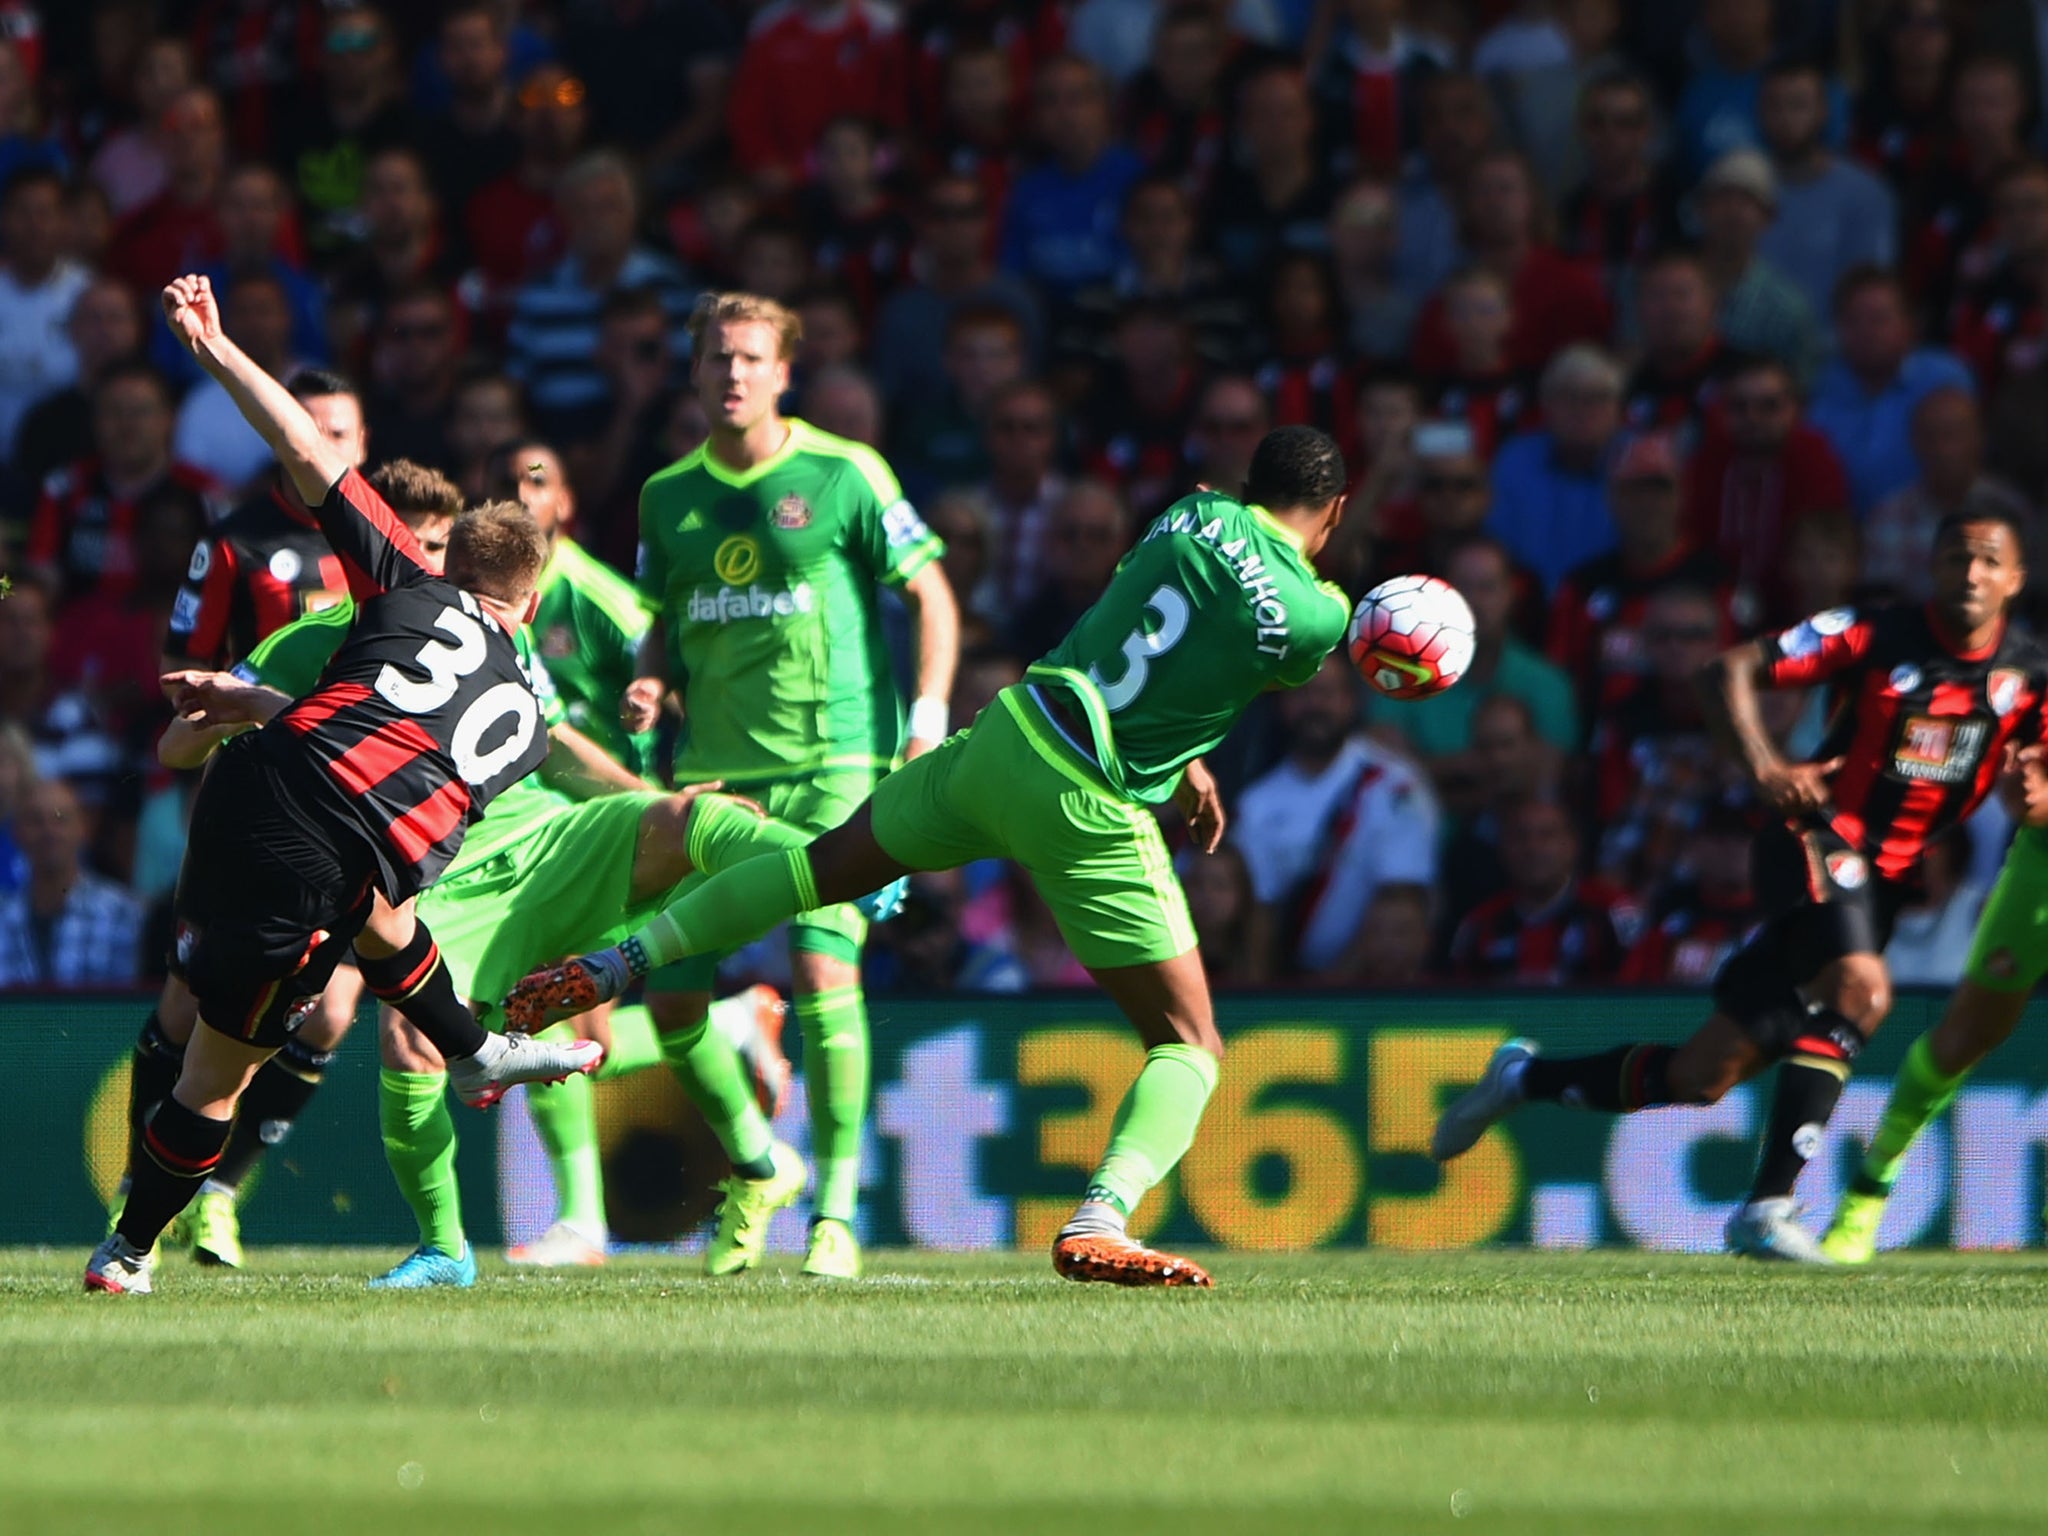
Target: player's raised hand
[(1797, 788), (204, 698), (192, 310), (640, 706)]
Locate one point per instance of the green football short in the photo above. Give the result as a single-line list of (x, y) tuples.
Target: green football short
[(816, 804), (993, 792), (2010, 951), (562, 889)]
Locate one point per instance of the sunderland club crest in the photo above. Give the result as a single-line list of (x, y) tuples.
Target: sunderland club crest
[(791, 513)]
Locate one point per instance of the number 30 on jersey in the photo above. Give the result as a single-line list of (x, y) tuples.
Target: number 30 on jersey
[(446, 665)]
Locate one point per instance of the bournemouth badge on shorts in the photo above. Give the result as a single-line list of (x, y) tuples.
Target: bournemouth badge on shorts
[(791, 513), (1847, 870)]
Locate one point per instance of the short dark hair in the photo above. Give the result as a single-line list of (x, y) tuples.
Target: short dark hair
[(634, 303), (1977, 508), (1795, 66), (1868, 274), (1295, 467), (316, 384), (135, 367), (31, 176)]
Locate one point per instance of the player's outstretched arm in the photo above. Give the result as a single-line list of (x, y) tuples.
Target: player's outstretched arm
[(583, 770), (1728, 688), (935, 615), (211, 707), (640, 706), (314, 463)]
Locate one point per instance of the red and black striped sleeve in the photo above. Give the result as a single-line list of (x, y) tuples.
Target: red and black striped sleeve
[(378, 552), (1817, 648), (205, 605)]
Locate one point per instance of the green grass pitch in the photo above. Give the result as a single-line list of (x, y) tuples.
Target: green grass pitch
[(1356, 1393)]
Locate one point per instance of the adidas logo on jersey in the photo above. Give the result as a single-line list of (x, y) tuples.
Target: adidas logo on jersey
[(726, 604)]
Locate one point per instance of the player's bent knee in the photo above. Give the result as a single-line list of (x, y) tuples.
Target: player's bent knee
[(674, 1012), (1861, 992), (177, 1011), (402, 1048)]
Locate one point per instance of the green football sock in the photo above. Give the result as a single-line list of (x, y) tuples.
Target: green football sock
[(723, 833), (835, 1030), (1919, 1095), (716, 1081), (726, 911), (565, 1118), (419, 1144), (636, 1044), (1155, 1124)]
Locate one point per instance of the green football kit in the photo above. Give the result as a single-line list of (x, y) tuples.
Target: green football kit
[(588, 631), (765, 581)]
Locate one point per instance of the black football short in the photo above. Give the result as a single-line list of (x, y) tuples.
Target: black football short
[(1823, 900), (268, 901)]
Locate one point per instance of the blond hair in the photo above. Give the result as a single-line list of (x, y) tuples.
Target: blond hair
[(413, 490), (497, 551), (731, 308)]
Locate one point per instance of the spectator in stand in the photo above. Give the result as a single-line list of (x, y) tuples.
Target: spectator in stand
[(1598, 616), (358, 110), (1626, 208), (1540, 60), (1275, 192), (131, 165), (1759, 309), (1556, 300), (833, 329), (1372, 84), (211, 432), (1824, 563), (415, 354), (1341, 817), (261, 57), (804, 64), (977, 136), (1230, 418), (1060, 228), (487, 412), (844, 401), (84, 521), (1511, 763), (512, 226), (772, 258), (949, 270), (267, 562), (2000, 319), (1457, 128), (1159, 227), (179, 229), (1364, 253), (69, 737), (1717, 110), (858, 235), (614, 444), (88, 230), (1137, 427), (1022, 489), (1439, 728), (551, 343), (1698, 924), (23, 139), (1902, 113), (963, 519), (660, 74), (941, 444), (1481, 386), (38, 289), (1219, 892), (1548, 926), (1685, 359), (1865, 402), (1177, 107), (66, 927), (471, 141), (1948, 442), (1749, 482), (1655, 769), (403, 246), (258, 235), (705, 230), (110, 647), (1091, 530), (1306, 375), (1550, 485), (17, 776), (1931, 943), (1394, 943), (1453, 497), (1950, 208), (104, 327), (1832, 213)]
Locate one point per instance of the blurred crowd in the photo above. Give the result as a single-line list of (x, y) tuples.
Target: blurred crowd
[(1645, 325)]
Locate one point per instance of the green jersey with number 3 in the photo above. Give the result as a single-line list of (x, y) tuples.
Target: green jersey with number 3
[(765, 580), (1216, 604)]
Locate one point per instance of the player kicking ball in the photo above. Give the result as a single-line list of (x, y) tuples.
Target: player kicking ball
[(1929, 701), (2008, 958), (361, 790), (1217, 604)]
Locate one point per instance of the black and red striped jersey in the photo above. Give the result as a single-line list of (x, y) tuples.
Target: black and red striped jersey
[(1581, 935), (1596, 620), (1920, 726), (1690, 939), (424, 715), (267, 564)]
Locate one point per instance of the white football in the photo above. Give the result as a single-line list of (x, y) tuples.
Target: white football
[(1412, 636)]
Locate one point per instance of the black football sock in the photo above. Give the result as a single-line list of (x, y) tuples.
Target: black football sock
[(180, 1149), (1618, 1082), (153, 1073), (275, 1098), (415, 981), (1809, 1085)]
